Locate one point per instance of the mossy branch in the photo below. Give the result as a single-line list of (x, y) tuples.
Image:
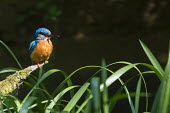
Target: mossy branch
[(15, 80)]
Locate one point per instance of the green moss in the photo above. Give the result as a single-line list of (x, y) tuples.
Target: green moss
[(14, 81)]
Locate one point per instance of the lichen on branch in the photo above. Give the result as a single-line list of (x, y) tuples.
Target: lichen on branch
[(15, 80)]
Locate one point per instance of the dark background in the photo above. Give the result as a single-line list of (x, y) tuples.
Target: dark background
[(90, 30)]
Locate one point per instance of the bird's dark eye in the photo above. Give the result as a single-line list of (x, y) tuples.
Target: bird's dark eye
[(50, 35), (42, 33), (47, 35)]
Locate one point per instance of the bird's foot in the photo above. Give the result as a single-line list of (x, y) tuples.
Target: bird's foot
[(45, 62), (38, 65)]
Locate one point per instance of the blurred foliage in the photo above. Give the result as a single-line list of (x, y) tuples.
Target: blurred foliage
[(47, 9)]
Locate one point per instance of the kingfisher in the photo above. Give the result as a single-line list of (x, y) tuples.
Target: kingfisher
[(41, 48)]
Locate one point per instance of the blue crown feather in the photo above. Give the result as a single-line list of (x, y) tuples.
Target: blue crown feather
[(42, 31)]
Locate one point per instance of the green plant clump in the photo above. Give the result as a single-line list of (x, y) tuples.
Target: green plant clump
[(93, 96)]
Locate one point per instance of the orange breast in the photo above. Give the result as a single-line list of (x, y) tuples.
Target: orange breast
[(42, 51)]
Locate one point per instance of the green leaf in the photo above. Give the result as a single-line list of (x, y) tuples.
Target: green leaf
[(69, 76), (161, 101), (95, 87), (1, 107), (44, 76), (113, 100), (105, 91), (13, 105), (86, 102), (54, 101), (128, 95), (111, 79), (159, 75), (26, 104), (69, 83), (137, 97), (5, 70), (152, 58), (124, 96), (89, 104), (76, 97), (167, 68), (9, 50)]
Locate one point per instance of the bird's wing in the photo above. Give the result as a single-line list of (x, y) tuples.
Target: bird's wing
[(33, 45)]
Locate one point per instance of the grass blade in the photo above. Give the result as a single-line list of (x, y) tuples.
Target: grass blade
[(161, 102), (76, 97), (159, 75), (116, 76), (88, 106), (86, 102), (152, 58), (44, 76), (128, 96), (26, 104), (113, 100), (137, 97), (105, 90), (9, 50), (69, 76), (95, 87), (1, 107), (69, 83), (5, 70), (51, 105), (124, 96), (167, 68)]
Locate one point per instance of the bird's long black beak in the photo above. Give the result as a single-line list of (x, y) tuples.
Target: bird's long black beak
[(53, 36)]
